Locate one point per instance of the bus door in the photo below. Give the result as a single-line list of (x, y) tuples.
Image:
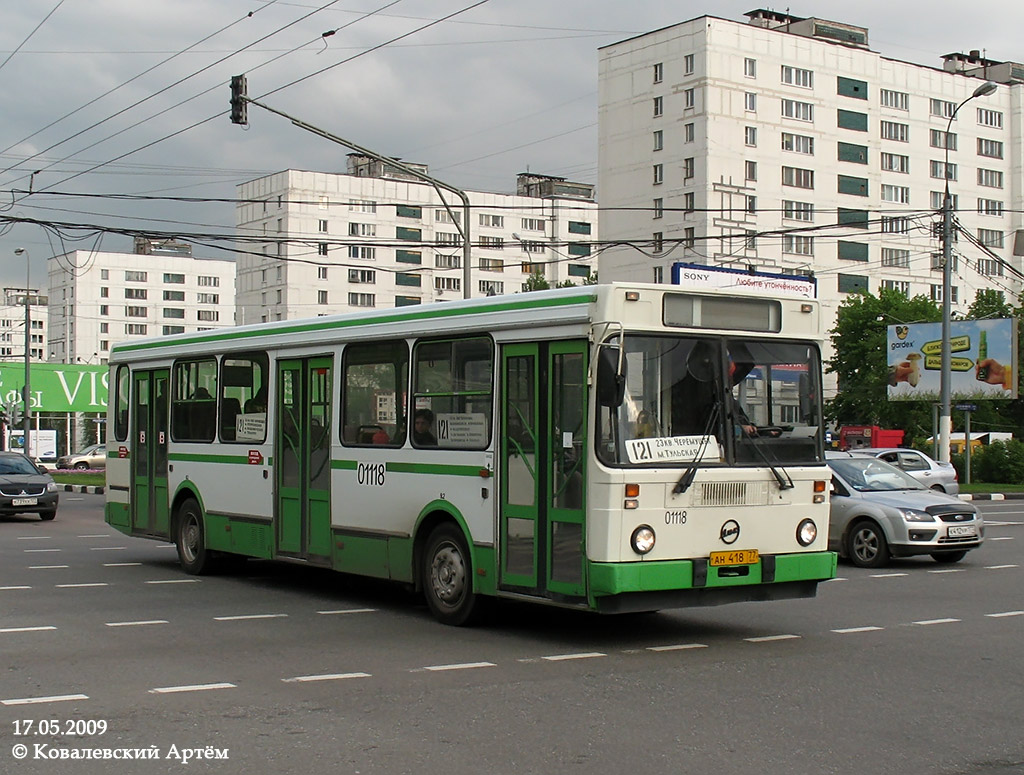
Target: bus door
[(543, 458), (302, 458), (150, 507)]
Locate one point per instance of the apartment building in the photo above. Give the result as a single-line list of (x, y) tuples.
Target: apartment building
[(12, 325), (788, 145), (318, 243), (98, 299)]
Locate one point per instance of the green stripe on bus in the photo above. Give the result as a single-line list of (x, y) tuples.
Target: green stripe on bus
[(413, 468), (299, 328), (182, 457)]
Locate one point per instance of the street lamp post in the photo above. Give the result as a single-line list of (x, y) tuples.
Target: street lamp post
[(945, 376), (27, 444)]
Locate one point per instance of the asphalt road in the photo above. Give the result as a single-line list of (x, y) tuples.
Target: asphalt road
[(916, 668)]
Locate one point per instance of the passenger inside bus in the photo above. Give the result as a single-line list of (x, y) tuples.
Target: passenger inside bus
[(422, 436), (258, 403)]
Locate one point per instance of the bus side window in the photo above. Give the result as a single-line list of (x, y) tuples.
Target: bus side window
[(374, 386), (454, 380), (193, 407), (121, 407)]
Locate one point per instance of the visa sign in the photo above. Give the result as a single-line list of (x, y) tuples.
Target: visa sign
[(57, 387)]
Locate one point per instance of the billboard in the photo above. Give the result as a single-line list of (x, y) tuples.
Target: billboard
[(728, 278), (56, 387), (983, 360)]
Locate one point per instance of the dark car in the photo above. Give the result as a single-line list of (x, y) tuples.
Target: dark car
[(24, 488)]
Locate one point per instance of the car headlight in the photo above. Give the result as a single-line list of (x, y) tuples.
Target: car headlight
[(51, 487), (806, 532), (914, 515), (642, 539)]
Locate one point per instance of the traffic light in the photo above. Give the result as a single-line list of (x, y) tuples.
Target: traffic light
[(239, 112)]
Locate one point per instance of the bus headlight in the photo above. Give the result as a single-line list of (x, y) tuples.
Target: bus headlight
[(642, 539), (806, 532)]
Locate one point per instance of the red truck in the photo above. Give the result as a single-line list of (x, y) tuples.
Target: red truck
[(860, 436)]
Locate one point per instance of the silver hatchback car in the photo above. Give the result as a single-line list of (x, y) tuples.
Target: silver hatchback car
[(930, 473), (90, 457), (878, 511)]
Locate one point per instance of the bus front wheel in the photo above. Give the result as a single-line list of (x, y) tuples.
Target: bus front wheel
[(447, 576), (190, 539)]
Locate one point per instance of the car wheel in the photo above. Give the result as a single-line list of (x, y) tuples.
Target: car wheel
[(81, 466), (48, 515), (190, 538), (948, 558), (866, 545), (447, 577), (938, 488)]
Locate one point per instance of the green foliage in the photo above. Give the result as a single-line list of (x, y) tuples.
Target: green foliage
[(536, 282), (1000, 461)]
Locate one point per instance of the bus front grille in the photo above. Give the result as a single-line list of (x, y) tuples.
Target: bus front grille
[(732, 494)]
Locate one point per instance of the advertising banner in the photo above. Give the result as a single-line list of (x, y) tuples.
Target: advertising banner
[(56, 387), (769, 283), (983, 362)]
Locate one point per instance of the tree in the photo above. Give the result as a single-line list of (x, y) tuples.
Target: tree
[(536, 282), (860, 362)]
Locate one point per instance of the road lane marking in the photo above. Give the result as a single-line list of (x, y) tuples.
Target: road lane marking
[(34, 538), (348, 611), (248, 616), (106, 548), (40, 700), (948, 570), (325, 677), (137, 624), (47, 567), (463, 666), (27, 551), (1000, 567), (848, 630), (1006, 613), (98, 535), (838, 578), (678, 647), (120, 564), (193, 688), (78, 586), (886, 575), (926, 622), (172, 581), (1000, 538), (768, 638), (583, 655), (28, 629), (20, 586)]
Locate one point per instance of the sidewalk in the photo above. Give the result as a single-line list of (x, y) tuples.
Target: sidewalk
[(91, 489), (992, 496)]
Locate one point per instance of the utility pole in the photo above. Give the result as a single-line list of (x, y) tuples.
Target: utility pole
[(27, 444), (239, 100)]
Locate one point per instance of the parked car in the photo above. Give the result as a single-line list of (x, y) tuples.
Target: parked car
[(90, 457), (930, 473), (878, 512), (25, 488)]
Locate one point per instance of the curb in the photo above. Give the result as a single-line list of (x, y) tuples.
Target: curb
[(993, 496), (92, 490)]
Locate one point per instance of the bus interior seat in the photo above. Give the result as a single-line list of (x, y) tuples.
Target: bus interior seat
[(230, 409), (367, 432)]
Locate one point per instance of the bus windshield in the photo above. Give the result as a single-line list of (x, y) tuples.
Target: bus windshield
[(714, 401)]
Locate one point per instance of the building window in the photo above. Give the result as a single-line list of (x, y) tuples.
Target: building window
[(798, 211), (750, 102), (853, 283), (688, 167), (689, 98), (659, 72), (942, 108), (991, 148), (104, 293), (444, 216), (796, 76), (104, 309), (897, 100), (750, 136), (894, 162), (174, 312), (900, 286), (176, 279), (990, 178), (659, 208), (174, 295), (360, 251), (936, 170), (104, 328), (442, 261), (533, 247), (321, 249), (659, 174), (896, 257), (857, 219), (798, 244), (688, 64), (990, 207), (578, 249), (688, 133), (937, 138), (992, 118), (853, 186), (579, 227), (362, 206), (362, 299), (798, 143), (936, 294), (448, 283), (658, 241), (990, 267), (895, 225), (409, 211), (322, 226), (321, 273), (689, 237), (659, 140), (491, 287), (492, 221), (492, 243), (492, 265), (368, 276), (104, 274), (208, 298), (801, 111), (750, 170), (208, 281), (533, 224), (135, 277), (659, 106), (990, 238), (689, 199), (857, 154), (207, 315), (750, 67), (751, 204), (851, 87), (136, 312), (852, 119), (852, 251), (938, 200), (900, 194), (892, 130), (362, 229), (798, 178), (136, 329), (321, 297)]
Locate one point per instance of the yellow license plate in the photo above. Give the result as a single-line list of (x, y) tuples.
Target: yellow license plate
[(738, 557)]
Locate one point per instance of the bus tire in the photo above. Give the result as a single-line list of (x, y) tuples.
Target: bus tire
[(447, 576), (190, 538)]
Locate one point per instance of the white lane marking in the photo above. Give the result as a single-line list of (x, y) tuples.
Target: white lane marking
[(767, 638), (28, 629), (838, 578), (848, 630), (172, 581), (948, 570), (193, 688), (20, 586), (40, 700), (463, 666), (678, 647), (137, 624), (348, 611), (325, 677), (1000, 538), (98, 535), (34, 538), (886, 575), (926, 622), (583, 655), (27, 551), (1000, 567), (167, 546), (106, 548), (248, 616), (120, 564), (1006, 613), (77, 586), (47, 567)]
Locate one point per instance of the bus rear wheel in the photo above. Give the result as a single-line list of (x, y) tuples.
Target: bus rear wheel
[(447, 576), (190, 538)]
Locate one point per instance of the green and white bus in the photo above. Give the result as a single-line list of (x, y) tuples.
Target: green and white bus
[(612, 448)]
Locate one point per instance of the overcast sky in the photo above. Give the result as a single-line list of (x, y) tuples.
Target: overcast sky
[(506, 86)]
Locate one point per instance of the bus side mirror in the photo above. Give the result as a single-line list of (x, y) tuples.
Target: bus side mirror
[(611, 386)]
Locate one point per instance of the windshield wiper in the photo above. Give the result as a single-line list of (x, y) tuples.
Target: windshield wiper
[(691, 471), (782, 477)]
